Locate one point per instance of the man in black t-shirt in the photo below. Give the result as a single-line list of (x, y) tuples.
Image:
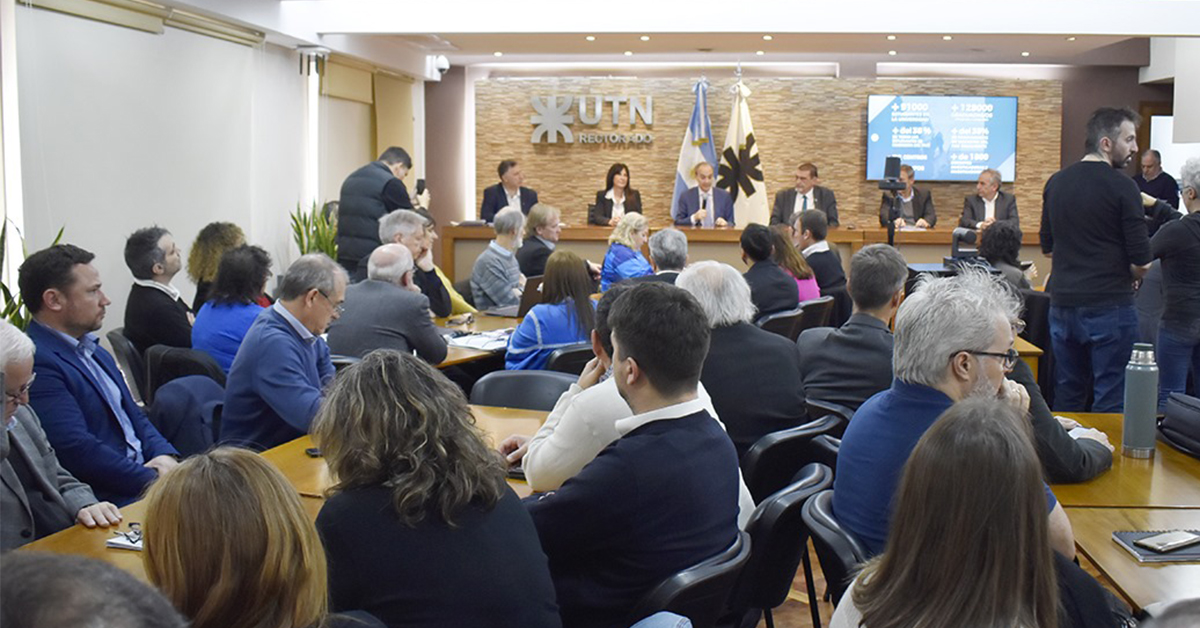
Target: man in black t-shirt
[(1153, 181), (1094, 230)]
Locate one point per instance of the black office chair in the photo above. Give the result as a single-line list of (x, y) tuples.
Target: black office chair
[(782, 323), (843, 306), (463, 287), (824, 450), (779, 543), (699, 592), (531, 390), (570, 359), (814, 313), (774, 459), (838, 551), (131, 363), (818, 408), (1037, 332), (164, 364)]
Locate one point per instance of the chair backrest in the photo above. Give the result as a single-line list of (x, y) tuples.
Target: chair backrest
[(774, 459), (1037, 332), (782, 323), (570, 359), (839, 552), (778, 539), (843, 306), (131, 363), (531, 390), (701, 591), (818, 408), (824, 450), (463, 287), (814, 313), (164, 364)]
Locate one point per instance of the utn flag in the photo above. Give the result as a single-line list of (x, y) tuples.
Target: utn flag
[(697, 145), (740, 173)]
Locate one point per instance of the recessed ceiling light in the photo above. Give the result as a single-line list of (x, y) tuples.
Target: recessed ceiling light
[(645, 38), (1024, 54), (892, 53), (947, 37), (590, 38), (628, 53), (1072, 38), (891, 38), (767, 38), (497, 54), (759, 52)]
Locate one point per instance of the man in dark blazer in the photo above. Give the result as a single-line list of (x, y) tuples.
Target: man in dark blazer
[(771, 288), (916, 205), (806, 195), (847, 365), (668, 256), (752, 375), (508, 191), (101, 436), (155, 314), (975, 207), (704, 205), (809, 231)]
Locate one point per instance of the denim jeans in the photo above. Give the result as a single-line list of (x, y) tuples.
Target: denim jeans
[(1096, 341), (1178, 352)]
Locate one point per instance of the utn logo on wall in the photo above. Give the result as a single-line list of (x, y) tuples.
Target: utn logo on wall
[(553, 119)]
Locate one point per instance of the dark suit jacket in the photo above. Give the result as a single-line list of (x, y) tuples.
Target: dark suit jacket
[(1064, 459), (532, 256), (153, 318), (827, 267), (689, 203), (495, 199), (922, 204), (81, 426), (973, 209), (753, 377), (381, 315), (785, 202), (848, 364), (771, 289), (601, 212), (666, 277)]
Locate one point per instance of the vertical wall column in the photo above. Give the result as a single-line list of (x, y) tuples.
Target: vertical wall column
[(11, 204), (1187, 90)]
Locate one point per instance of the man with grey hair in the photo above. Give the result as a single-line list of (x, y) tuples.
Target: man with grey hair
[(1156, 183), (387, 311), (668, 255), (847, 365), (988, 204), (1177, 244), (277, 379), (751, 374), (496, 279), (953, 340), (411, 229)]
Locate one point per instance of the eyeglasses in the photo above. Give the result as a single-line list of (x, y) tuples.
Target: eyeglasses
[(1009, 357), (338, 308), (15, 397)]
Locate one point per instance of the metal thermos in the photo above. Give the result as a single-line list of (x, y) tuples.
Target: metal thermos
[(1141, 403)]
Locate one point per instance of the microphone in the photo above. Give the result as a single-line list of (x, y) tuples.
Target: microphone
[(704, 208)]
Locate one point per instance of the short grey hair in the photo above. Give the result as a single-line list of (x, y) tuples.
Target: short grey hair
[(877, 272), (312, 271), (668, 249), (508, 220), (994, 175), (389, 263), (403, 222), (1189, 175), (946, 315), (721, 290), (15, 346)]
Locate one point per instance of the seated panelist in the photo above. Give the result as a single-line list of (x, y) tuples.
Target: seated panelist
[(989, 204), (916, 205), (705, 205), (615, 199), (804, 196), (509, 192)]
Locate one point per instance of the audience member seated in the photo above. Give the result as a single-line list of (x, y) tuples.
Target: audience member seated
[(989, 205), (387, 311), (421, 528), (771, 288), (99, 433), (849, 364), (37, 496), (229, 543), (752, 374), (804, 196), (668, 256), (565, 316), (44, 590), (810, 230), (584, 421), (1177, 244), (411, 229), (204, 257), (953, 341), (509, 192), (916, 205), (663, 496), (615, 199), (970, 514), (458, 305), (276, 381), (624, 259), (223, 321), (704, 205), (155, 313), (1001, 247), (496, 279), (790, 260), (542, 228)]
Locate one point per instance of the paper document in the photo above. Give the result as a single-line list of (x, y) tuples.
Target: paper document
[(484, 341)]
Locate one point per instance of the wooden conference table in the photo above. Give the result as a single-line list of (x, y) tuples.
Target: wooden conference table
[(480, 323)]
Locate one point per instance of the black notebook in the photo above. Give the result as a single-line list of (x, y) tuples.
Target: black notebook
[(1183, 555)]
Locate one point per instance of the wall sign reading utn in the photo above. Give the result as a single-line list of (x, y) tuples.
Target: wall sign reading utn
[(553, 119)]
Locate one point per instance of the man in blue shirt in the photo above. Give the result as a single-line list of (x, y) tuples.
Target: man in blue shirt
[(276, 382), (953, 340)]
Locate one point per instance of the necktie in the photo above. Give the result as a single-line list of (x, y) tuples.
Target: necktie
[(804, 203)]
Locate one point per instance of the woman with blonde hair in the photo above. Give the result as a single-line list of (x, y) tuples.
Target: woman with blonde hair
[(204, 258), (624, 258), (420, 527), (792, 262), (228, 542), (565, 316), (542, 230)]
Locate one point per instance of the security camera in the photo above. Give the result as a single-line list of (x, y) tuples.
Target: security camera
[(442, 64)]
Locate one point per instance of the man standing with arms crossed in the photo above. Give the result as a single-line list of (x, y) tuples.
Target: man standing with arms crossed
[(1093, 229)]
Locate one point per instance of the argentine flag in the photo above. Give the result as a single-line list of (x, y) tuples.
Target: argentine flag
[(697, 145), (741, 172)]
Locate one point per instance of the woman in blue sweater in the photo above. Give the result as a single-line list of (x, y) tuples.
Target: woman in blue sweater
[(565, 316), (624, 258), (223, 321)]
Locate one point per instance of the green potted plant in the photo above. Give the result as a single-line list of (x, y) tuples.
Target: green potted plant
[(315, 230), (12, 309)]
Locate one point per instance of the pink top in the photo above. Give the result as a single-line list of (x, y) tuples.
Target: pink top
[(808, 288)]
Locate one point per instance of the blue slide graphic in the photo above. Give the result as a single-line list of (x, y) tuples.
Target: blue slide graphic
[(943, 138)]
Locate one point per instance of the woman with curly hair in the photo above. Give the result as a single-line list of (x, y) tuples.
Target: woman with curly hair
[(205, 256), (1001, 247)]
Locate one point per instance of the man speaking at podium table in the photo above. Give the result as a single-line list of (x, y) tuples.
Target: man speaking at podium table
[(704, 205)]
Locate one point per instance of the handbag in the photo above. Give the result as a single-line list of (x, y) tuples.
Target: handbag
[(1180, 427)]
